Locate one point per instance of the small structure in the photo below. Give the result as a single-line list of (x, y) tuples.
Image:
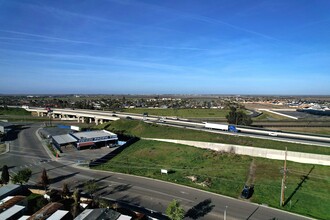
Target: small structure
[(46, 211), (54, 131), (98, 214), (163, 171), (5, 127), (14, 212), (59, 215), (9, 190), (10, 201), (62, 140)]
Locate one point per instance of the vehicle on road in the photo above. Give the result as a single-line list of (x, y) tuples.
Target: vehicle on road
[(223, 127)]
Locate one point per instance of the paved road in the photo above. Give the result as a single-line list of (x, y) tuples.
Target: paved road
[(181, 123), (26, 151)]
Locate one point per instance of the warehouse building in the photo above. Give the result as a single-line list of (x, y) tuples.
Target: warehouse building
[(85, 140), (99, 138)]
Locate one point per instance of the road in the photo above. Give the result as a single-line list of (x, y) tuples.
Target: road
[(26, 151)]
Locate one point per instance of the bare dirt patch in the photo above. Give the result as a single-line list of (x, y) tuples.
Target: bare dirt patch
[(252, 173)]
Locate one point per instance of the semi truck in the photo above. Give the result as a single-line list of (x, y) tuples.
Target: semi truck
[(230, 128)]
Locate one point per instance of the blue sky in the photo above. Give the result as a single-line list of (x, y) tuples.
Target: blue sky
[(173, 47)]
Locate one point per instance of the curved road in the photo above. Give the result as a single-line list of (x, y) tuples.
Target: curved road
[(27, 151)]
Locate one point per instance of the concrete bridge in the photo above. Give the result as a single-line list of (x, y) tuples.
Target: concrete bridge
[(79, 115)]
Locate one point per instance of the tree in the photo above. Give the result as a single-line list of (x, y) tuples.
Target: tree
[(90, 187), (65, 190), (238, 117), (5, 175), (22, 176), (44, 180), (174, 210), (76, 205), (76, 196)]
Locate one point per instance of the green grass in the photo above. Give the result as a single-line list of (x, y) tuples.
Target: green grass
[(141, 129), (227, 173), (270, 116), (306, 130), (13, 111), (182, 113), (19, 118)]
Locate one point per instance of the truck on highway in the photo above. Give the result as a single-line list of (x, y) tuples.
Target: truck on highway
[(222, 127)]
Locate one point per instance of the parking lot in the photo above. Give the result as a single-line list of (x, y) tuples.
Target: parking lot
[(85, 155)]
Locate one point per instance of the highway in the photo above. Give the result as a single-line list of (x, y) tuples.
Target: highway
[(249, 132), (27, 151)]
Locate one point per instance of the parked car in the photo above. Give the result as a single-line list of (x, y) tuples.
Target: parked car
[(247, 191)]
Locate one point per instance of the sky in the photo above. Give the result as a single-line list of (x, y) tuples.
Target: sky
[(279, 47)]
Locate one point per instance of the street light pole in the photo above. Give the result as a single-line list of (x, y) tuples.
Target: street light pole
[(225, 213)]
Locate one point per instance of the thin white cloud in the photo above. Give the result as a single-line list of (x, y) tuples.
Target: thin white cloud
[(171, 48), (193, 17), (57, 39)]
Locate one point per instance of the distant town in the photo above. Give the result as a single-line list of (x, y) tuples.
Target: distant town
[(116, 102)]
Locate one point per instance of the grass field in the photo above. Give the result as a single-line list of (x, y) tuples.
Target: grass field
[(141, 129), (20, 118), (270, 116), (226, 174), (14, 111), (307, 130), (182, 113)]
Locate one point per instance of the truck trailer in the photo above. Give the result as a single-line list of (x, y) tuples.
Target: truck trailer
[(222, 127)]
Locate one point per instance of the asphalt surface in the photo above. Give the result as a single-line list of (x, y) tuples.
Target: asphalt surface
[(27, 151), (181, 123)]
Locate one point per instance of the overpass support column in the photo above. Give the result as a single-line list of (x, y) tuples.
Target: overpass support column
[(101, 121), (38, 113), (90, 120), (96, 121)]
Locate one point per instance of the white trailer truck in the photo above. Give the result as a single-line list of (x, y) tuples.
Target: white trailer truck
[(216, 126)]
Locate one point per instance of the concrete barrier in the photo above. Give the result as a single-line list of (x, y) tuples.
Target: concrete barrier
[(256, 152)]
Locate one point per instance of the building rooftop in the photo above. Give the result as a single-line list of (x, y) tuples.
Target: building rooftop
[(10, 201), (58, 215), (46, 211), (64, 139), (54, 131), (7, 189), (98, 214), (5, 124), (11, 211), (93, 134)]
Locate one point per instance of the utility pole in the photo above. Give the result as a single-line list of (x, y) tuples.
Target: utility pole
[(284, 180), (225, 213)]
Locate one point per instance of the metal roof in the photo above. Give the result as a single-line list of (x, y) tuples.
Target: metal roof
[(100, 213), (58, 215), (93, 134), (11, 211), (8, 189), (64, 139)]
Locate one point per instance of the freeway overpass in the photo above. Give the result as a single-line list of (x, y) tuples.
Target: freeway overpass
[(99, 117)]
